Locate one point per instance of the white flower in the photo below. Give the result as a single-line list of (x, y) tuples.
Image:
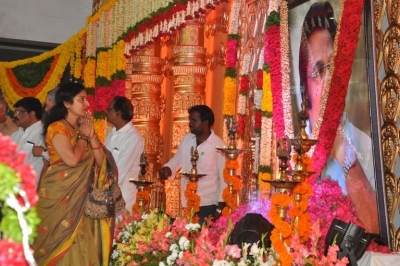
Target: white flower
[(180, 254), (184, 243), (244, 250), (168, 234), (222, 263), (243, 262), (115, 253), (161, 263), (145, 216), (173, 247), (171, 260), (254, 249), (192, 227)]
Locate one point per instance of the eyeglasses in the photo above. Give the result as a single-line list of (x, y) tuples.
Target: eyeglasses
[(18, 112), (110, 108), (319, 70)]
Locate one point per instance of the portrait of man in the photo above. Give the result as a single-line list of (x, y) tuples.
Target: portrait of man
[(313, 27)]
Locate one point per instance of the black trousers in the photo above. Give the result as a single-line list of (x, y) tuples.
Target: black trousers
[(206, 211)]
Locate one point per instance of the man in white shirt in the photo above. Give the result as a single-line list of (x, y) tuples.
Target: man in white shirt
[(28, 112), (126, 145), (211, 162)]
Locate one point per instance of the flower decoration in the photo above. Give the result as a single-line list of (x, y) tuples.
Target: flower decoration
[(234, 184), (19, 197), (193, 202)]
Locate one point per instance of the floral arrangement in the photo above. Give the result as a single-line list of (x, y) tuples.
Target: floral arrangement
[(193, 202), (13, 75), (157, 239), (229, 88), (282, 232), (18, 194), (234, 184)]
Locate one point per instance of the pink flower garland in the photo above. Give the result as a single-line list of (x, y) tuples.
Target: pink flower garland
[(231, 48), (272, 55), (343, 62)]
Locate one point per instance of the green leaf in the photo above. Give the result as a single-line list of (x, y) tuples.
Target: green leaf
[(30, 75), (273, 19)]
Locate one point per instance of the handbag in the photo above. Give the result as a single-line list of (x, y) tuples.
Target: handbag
[(105, 203)]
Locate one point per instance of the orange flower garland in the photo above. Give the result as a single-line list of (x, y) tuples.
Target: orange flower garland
[(31, 92), (141, 195), (299, 211), (193, 203), (228, 197), (306, 160), (282, 228)]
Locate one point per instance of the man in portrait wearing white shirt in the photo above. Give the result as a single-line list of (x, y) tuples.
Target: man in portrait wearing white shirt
[(211, 162), (28, 113), (126, 144)]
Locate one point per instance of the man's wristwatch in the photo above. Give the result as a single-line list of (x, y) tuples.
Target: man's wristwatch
[(349, 160)]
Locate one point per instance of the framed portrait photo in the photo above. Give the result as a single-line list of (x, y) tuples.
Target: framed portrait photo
[(340, 95)]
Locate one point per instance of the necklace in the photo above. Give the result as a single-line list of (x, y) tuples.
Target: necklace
[(75, 129)]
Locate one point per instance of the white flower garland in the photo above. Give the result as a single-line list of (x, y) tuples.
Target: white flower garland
[(285, 69), (234, 17)]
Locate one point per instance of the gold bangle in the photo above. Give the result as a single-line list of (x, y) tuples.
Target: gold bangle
[(81, 136)]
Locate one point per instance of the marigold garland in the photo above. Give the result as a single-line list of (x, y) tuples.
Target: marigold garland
[(235, 183), (31, 92), (141, 195), (51, 80), (282, 228), (301, 219), (193, 203)]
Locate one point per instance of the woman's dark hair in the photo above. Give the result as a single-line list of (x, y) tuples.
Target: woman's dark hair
[(125, 106), (206, 114), (65, 94)]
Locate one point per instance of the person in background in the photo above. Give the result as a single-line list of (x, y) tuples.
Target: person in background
[(65, 235), (126, 145), (344, 165), (28, 113), (7, 127), (211, 162), (50, 99), (41, 151)]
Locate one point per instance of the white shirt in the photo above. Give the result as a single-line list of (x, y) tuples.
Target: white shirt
[(26, 140), (126, 145), (211, 162)]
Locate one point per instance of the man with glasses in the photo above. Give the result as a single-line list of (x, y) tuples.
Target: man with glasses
[(346, 165), (28, 114), (126, 144)]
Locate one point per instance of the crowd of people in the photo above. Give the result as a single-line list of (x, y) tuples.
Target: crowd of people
[(64, 150)]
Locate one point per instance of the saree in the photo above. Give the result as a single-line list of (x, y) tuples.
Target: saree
[(65, 235)]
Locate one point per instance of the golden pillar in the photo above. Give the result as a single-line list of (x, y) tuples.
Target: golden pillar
[(144, 89), (189, 75)]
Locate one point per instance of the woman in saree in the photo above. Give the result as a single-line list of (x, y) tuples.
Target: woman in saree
[(65, 235)]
